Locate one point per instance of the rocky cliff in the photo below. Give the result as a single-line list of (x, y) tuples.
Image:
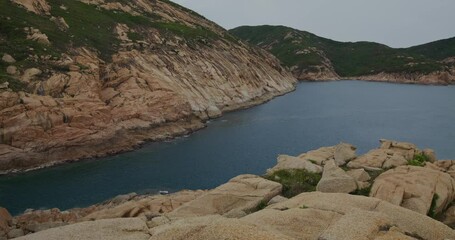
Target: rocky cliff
[(87, 78), (396, 191), (315, 58)]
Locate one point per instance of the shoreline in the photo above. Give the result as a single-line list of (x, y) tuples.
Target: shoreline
[(183, 128)]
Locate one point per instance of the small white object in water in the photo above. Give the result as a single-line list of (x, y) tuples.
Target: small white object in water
[(164, 192)]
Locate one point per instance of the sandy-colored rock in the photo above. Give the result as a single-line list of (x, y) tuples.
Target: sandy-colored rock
[(15, 233), (277, 199), (109, 229), (8, 58), (359, 175), (5, 219), (298, 223), (213, 227), (36, 6), (344, 153), (430, 154), (335, 180), (415, 188), (11, 70), (319, 156), (30, 73), (355, 217), (390, 154), (286, 162), (149, 206), (243, 192)]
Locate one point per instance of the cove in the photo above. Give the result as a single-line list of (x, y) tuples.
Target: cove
[(248, 141)]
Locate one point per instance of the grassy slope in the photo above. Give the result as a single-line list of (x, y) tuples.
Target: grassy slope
[(349, 59), (90, 27)]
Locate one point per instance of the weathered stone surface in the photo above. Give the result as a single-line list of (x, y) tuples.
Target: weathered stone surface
[(431, 155), (359, 175), (341, 153), (390, 154), (344, 153), (415, 188), (148, 206), (108, 229), (286, 162), (243, 192), (5, 219), (319, 156), (447, 166), (8, 58), (335, 180), (36, 6), (15, 233), (354, 217), (277, 199), (155, 89), (29, 74), (213, 227), (11, 70)]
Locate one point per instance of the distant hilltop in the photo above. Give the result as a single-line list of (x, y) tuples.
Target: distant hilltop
[(311, 57)]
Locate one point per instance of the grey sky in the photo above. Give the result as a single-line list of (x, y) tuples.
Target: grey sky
[(397, 23)]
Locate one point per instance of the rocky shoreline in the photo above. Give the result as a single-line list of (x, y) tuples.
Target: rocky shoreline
[(167, 131), (396, 191)]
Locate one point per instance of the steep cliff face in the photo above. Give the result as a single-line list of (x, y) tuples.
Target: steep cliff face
[(311, 57), (100, 77)]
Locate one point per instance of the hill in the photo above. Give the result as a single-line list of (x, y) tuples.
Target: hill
[(311, 57), (81, 79)]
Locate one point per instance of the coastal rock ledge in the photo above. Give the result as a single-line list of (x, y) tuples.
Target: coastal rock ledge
[(411, 201)]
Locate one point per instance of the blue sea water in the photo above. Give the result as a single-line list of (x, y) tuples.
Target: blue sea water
[(248, 141)]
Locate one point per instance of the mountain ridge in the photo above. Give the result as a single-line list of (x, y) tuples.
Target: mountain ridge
[(311, 57), (90, 78)]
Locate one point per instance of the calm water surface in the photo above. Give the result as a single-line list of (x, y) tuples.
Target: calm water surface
[(317, 114)]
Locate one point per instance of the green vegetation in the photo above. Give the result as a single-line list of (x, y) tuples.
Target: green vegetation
[(260, 206), (306, 50), (363, 192), (419, 160), (432, 212), (295, 181), (90, 26)]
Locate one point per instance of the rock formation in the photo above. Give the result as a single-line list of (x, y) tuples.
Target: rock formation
[(162, 76), (250, 207)]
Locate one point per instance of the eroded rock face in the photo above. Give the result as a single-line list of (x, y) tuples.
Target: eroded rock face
[(242, 193), (153, 89), (36, 6), (109, 229), (415, 188), (343, 216), (335, 180), (286, 162), (390, 154), (341, 153)]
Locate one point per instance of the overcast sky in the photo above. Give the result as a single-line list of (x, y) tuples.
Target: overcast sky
[(397, 23)]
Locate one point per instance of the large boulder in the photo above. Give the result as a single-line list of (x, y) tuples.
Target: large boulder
[(344, 153), (242, 193), (107, 229), (5, 219), (318, 215), (8, 58), (447, 166), (390, 154), (213, 227), (149, 206), (286, 162), (415, 188), (341, 153), (336, 180)]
